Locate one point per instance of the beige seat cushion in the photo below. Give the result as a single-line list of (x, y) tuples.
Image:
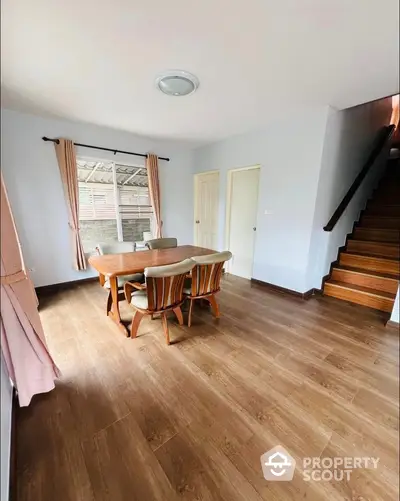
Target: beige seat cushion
[(115, 247), (169, 270), (217, 257), (137, 277), (162, 243), (139, 299)]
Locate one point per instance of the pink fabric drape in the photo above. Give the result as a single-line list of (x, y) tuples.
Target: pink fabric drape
[(154, 191), (394, 119), (65, 151), (23, 345)]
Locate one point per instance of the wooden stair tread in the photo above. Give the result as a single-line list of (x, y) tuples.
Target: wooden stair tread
[(382, 222), (382, 216), (390, 231), (364, 290), (369, 255), (381, 200), (385, 244), (361, 225), (362, 271), (378, 264), (372, 254), (382, 210), (367, 270), (373, 201), (379, 241), (394, 246), (382, 228)]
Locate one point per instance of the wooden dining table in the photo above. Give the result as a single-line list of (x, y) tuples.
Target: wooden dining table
[(112, 266)]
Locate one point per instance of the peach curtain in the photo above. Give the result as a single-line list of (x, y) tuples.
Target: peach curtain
[(65, 151), (23, 345), (394, 119), (154, 191)]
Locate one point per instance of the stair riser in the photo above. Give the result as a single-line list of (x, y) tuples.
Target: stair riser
[(380, 222), (377, 235), (370, 263), (378, 200), (387, 199), (377, 248), (389, 187), (377, 283), (383, 304), (391, 177), (383, 210)]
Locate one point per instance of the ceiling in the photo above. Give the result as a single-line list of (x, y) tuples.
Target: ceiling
[(96, 61)]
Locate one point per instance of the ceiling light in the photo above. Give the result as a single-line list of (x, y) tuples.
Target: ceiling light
[(177, 83)]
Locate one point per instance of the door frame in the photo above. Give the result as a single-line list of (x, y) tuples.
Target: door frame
[(229, 207), (196, 178)]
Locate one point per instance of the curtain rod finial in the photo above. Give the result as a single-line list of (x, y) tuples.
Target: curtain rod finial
[(57, 141)]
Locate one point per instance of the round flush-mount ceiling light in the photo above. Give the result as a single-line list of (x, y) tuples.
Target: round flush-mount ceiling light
[(177, 83)]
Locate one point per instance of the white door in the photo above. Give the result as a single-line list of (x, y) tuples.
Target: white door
[(206, 210), (243, 219)]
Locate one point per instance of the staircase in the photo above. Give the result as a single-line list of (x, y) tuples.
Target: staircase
[(367, 270)]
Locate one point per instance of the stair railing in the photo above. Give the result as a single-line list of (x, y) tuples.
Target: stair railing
[(383, 136)]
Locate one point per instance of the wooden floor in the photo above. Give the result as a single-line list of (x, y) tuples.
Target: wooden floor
[(138, 420)]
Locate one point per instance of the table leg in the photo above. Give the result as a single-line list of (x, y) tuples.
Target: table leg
[(114, 312)]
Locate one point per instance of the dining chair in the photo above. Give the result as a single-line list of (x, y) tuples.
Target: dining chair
[(205, 279), (141, 245), (117, 248), (162, 292), (162, 243)]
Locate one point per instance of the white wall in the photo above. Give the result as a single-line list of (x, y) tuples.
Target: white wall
[(347, 144), (289, 152), (6, 407), (396, 308), (307, 159), (34, 187), (308, 162)]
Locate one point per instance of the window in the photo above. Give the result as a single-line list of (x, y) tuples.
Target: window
[(114, 203)]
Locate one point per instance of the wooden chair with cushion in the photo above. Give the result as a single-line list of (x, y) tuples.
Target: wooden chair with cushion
[(162, 292), (205, 280), (117, 248), (162, 243)]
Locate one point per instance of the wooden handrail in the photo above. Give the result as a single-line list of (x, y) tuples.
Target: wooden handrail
[(381, 139)]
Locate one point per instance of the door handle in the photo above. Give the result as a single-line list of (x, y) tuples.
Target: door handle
[(197, 221)]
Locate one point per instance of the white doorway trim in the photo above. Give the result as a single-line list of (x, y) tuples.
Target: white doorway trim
[(229, 207), (196, 178)]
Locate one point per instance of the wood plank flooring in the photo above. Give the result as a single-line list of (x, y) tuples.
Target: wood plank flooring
[(139, 420)]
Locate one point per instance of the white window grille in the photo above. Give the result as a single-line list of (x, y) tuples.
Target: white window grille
[(114, 202)]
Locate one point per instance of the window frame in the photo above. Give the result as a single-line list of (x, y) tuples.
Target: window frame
[(116, 191)]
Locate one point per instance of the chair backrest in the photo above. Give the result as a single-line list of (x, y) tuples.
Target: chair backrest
[(164, 284), (162, 243), (115, 248), (206, 274)]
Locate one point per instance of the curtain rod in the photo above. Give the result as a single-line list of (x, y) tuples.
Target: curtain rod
[(104, 149)]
